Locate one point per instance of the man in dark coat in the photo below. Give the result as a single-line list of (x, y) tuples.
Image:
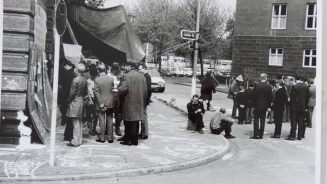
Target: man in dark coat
[(65, 80), (262, 98), (134, 93), (103, 91), (207, 88), (279, 103), (144, 124), (195, 111), (298, 105)]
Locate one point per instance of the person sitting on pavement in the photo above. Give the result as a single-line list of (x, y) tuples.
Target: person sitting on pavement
[(195, 111), (241, 103), (220, 122)]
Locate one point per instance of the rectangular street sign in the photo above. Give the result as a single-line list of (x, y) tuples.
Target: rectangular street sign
[(189, 35)]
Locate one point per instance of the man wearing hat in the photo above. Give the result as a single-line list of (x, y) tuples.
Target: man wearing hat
[(76, 101), (262, 99), (103, 86), (233, 90), (133, 90)]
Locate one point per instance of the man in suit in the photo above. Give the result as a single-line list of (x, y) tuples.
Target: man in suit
[(133, 90), (299, 98), (262, 98), (103, 86), (144, 124)]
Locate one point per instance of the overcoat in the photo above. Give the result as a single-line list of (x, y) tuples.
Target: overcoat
[(262, 96), (207, 87), (76, 97), (299, 97), (133, 91)]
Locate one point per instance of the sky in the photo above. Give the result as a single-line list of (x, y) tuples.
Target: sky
[(226, 4)]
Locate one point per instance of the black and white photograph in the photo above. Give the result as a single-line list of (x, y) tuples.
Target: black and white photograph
[(163, 91)]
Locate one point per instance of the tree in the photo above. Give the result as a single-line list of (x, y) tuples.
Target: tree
[(152, 23), (160, 22)]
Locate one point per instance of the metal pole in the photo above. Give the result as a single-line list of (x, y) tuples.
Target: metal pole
[(147, 53), (196, 49), (54, 99), (1, 42)]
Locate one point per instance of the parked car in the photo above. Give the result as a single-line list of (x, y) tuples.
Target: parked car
[(157, 82), (188, 72)]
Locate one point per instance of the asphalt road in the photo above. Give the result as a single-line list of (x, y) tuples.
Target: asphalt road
[(268, 161)]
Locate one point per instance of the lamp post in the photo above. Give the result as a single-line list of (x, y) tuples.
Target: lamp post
[(196, 50)]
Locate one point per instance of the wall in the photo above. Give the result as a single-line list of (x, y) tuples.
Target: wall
[(253, 17), (251, 55)]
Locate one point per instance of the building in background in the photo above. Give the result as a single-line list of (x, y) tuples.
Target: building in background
[(275, 37)]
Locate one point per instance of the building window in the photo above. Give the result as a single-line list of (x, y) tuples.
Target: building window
[(309, 58), (311, 18), (276, 57), (279, 15)]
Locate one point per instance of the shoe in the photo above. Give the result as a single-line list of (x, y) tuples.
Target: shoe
[(143, 136), (201, 132), (299, 138), (260, 137), (126, 143), (275, 136), (135, 143), (290, 139), (71, 145), (309, 126), (229, 137), (99, 140), (118, 133), (254, 137), (121, 139)]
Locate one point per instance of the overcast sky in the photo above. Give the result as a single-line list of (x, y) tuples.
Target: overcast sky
[(226, 4)]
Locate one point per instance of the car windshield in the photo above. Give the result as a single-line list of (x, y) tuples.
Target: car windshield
[(154, 74)]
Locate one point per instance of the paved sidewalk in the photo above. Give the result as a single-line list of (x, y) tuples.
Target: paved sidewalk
[(169, 147)]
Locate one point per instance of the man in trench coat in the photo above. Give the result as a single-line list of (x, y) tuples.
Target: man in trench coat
[(134, 93)]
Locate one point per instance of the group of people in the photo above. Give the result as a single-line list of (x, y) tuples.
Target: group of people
[(286, 99), (104, 96)]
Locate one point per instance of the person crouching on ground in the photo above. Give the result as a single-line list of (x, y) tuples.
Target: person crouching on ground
[(195, 111), (241, 103), (75, 108), (220, 122)]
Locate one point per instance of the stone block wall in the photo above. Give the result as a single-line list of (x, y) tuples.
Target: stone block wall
[(251, 56)]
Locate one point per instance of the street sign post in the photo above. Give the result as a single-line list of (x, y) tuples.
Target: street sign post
[(58, 30), (189, 35)]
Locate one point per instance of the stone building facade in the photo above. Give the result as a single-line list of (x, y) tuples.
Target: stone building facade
[(275, 37)]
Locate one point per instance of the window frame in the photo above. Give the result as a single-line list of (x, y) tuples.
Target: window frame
[(276, 55), (314, 16), (278, 16), (310, 56)]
